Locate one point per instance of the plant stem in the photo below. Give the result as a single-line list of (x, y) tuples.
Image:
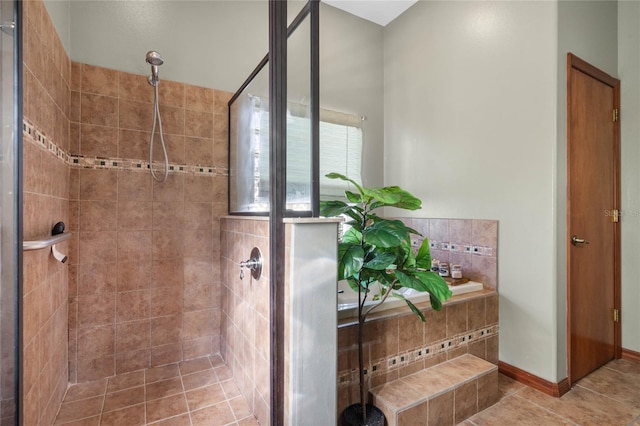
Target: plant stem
[(363, 404)]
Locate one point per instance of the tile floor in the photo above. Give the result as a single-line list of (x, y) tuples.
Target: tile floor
[(196, 392), (609, 396), (202, 392)]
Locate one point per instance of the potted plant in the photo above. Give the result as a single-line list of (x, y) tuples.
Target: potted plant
[(378, 250)]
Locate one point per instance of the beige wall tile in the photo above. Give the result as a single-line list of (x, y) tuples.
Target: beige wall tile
[(133, 335), (98, 184), (133, 305), (133, 275), (166, 301), (100, 81), (96, 278), (99, 110), (99, 341), (172, 93), (165, 354), (198, 98), (134, 115), (134, 246), (98, 215), (95, 368), (172, 120), (198, 150), (95, 310), (134, 186), (166, 330), (198, 124), (134, 144), (135, 88), (198, 189), (98, 141), (133, 360), (456, 318)]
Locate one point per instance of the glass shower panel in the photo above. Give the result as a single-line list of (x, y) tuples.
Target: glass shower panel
[(9, 236), (249, 147), (299, 118), (249, 134)]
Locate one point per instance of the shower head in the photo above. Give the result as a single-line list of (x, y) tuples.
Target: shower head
[(154, 59)]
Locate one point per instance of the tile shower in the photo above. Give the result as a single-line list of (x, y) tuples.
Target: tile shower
[(141, 287)]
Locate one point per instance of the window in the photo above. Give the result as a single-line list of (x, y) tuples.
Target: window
[(340, 151)]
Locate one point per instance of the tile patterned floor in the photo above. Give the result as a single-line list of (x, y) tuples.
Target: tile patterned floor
[(608, 396), (202, 392), (196, 392)]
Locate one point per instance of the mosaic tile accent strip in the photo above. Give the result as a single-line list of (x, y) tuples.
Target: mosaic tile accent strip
[(382, 366), (462, 248), (31, 133)]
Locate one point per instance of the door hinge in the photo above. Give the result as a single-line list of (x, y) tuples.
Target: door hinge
[(616, 315), (615, 114), (615, 217)]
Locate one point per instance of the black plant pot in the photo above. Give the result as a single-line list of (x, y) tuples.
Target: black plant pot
[(352, 416)]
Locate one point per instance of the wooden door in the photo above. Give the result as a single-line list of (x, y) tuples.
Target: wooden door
[(593, 230)]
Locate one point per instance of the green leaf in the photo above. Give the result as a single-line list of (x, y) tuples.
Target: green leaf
[(343, 177), (350, 261), (410, 304), (353, 197), (401, 199), (410, 281), (352, 236), (435, 303), (435, 284), (423, 258), (353, 284), (333, 208), (386, 233), (380, 261), (384, 195)]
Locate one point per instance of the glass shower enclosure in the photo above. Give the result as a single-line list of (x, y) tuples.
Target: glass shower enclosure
[(249, 185), (10, 211)]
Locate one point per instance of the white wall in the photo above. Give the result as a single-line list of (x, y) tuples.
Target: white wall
[(206, 43), (629, 73), (470, 128)]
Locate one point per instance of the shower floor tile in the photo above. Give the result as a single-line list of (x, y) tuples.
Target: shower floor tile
[(195, 392)]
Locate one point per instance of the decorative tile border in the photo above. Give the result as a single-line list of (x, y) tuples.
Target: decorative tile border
[(31, 133), (462, 248), (382, 366)]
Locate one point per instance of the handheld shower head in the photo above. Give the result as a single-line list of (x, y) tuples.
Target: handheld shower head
[(154, 59)]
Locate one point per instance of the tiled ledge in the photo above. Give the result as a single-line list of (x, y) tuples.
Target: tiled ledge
[(403, 310)]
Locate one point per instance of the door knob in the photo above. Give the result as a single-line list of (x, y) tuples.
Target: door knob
[(575, 240)]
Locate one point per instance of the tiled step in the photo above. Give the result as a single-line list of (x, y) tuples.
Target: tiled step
[(445, 394)]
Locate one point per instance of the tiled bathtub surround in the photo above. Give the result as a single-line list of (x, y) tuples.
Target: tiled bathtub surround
[(470, 243), (46, 76), (398, 343), (144, 275)]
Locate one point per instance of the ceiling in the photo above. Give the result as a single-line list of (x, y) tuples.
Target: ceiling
[(379, 11)]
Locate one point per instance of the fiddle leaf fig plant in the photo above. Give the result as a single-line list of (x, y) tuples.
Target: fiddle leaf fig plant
[(375, 256)]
